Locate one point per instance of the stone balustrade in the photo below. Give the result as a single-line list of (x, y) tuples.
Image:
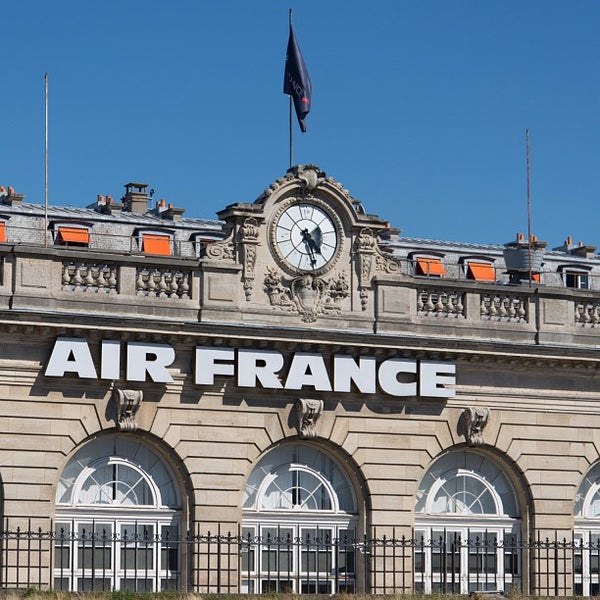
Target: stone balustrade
[(89, 277), (504, 307), (587, 313), (163, 283), (446, 304), (120, 284)]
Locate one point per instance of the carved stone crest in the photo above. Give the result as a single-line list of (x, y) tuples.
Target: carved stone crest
[(307, 295), (475, 420), (309, 412), (128, 402)]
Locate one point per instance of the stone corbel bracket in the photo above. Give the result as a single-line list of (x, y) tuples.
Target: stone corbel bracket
[(128, 403), (475, 420), (309, 412)]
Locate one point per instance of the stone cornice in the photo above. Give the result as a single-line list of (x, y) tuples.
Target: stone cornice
[(355, 345)]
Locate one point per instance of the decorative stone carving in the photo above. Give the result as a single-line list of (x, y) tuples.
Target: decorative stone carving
[(248, 236), (365, 246), (386, 264), (128, 402), (307, 295), (222, 250), (370, 259), (309, 412), (475, 421)]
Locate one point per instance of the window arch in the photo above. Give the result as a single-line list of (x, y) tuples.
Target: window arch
[(102, 470), (466, 483), (298, 477), (118, 514), (587, 533), (300, 512), (467, 518)]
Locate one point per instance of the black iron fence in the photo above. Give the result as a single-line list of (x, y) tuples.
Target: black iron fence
[(139, 559)]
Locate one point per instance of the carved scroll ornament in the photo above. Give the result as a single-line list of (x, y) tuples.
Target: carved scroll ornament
[(128, 403), (475, 421), (309, 412)]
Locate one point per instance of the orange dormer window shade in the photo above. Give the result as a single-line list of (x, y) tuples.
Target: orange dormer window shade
[(153, 243), (2, 231), (73, 235), (430, 266), (481, 271)]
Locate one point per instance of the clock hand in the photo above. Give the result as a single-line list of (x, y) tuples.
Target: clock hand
[(317, 239), (310, 246)]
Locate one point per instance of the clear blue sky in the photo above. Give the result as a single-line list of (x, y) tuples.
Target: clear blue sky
[(419, 107)]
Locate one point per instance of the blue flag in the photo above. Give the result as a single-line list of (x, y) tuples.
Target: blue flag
[(296, 81)]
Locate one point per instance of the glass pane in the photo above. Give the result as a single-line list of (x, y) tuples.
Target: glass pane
[(141, 585), (87, 584), (168, 585), (292, 486), (94, 558), (116, 484), (105, 454), (470, 484), (169, 553), (62, 556), (137, 558)]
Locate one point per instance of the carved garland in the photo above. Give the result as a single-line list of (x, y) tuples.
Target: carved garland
[(248, 236)]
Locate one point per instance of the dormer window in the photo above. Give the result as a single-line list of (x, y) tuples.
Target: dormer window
[(430, 266), (71, 235), (575, 277), (480, 270), (152, 242), (2, 231)]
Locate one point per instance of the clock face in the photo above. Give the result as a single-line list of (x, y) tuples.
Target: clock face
[(306, 236)]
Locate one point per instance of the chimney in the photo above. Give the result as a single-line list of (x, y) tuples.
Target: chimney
[(581, 249), (106, 205), (172, 212), (168, 211), (9, 197), (135, 199)]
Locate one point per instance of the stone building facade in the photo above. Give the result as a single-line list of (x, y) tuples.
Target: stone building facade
[(295, 370)]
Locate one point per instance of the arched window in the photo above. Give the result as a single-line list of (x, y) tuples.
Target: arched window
[(300, 515), (467, 518), (587, 534), (117, 519)]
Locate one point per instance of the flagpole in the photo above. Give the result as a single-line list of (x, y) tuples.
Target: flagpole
[(46, 159), (290, 112), (529, 240)]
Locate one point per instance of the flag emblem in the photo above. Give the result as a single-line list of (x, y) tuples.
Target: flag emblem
[(296, 81)]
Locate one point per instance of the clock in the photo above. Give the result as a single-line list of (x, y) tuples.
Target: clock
[(306, 236)]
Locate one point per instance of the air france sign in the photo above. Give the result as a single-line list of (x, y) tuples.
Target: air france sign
[(250, 368)]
